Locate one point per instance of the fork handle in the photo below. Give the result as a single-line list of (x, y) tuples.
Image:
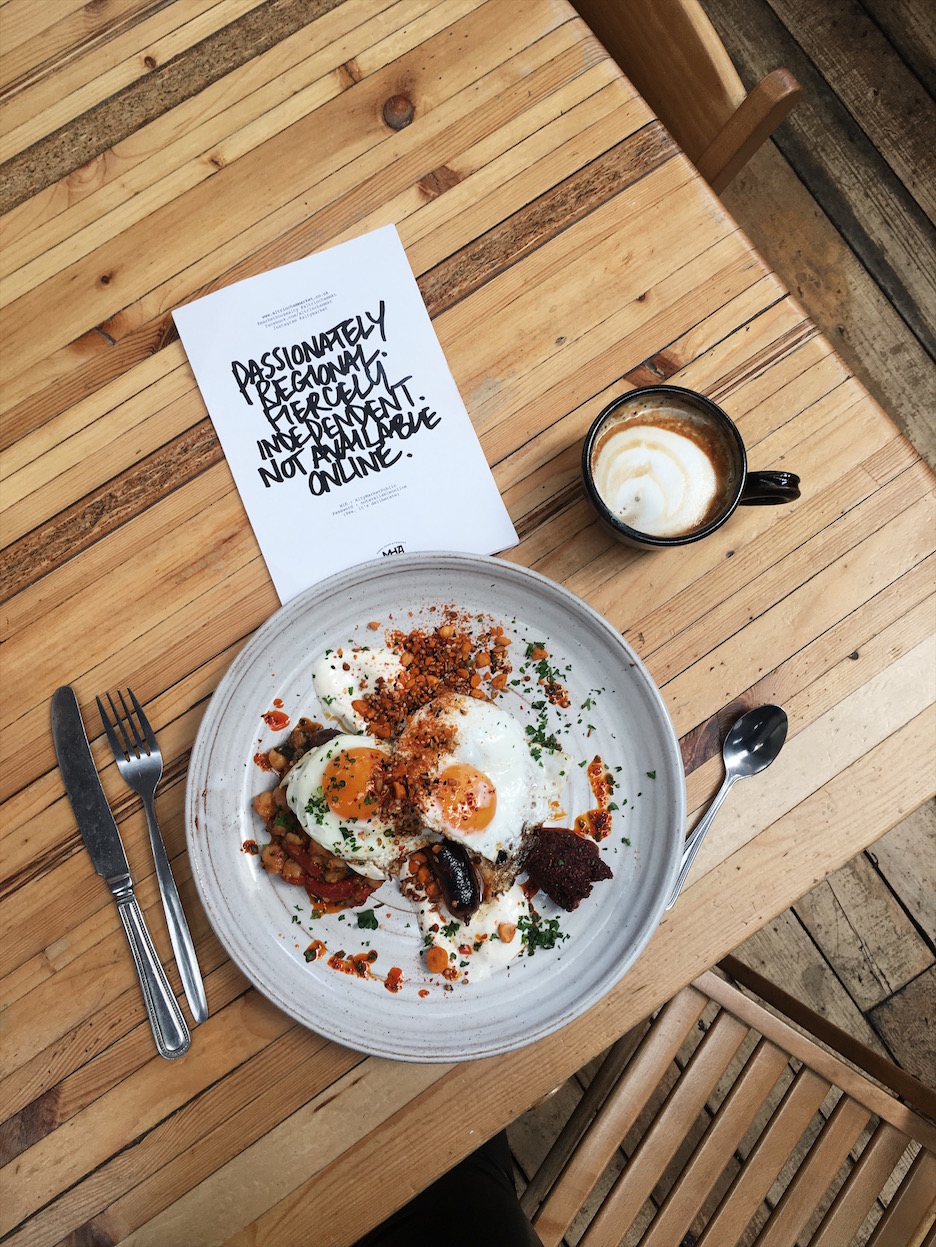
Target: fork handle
[(169, 1029), (182, 944)]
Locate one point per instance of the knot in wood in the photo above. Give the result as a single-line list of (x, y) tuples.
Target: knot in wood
[(398, 112)]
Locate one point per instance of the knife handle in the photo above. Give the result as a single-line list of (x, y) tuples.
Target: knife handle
[(169, 1028)]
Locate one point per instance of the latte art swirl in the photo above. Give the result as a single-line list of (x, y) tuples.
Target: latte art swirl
[(656, 480)]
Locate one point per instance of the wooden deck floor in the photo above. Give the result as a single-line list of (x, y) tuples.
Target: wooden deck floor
[(842, 205)]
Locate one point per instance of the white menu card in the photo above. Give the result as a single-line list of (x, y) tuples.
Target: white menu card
[(338, 415)]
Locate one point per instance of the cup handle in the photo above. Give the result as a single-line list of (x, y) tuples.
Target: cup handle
[(763, 488)]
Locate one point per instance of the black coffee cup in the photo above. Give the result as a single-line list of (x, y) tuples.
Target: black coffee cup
[(670, 458)]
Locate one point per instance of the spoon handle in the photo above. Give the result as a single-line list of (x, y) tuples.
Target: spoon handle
[(694, 842)]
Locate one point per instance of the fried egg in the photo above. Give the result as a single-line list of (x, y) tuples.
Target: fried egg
[(343, 676), (472, 777), (333, 790)]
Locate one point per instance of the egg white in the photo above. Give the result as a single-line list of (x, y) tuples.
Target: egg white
[(369, 845), (346, 675), (475, 948)]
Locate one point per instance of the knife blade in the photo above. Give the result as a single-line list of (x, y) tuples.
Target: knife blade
[(105, 848)]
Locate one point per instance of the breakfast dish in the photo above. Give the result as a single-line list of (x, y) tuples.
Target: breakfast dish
[(449, 925), (446, 793)]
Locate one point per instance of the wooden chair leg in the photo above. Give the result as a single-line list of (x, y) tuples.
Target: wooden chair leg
[(750, 125)]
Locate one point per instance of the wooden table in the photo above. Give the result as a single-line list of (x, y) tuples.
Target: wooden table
[(566, 252)]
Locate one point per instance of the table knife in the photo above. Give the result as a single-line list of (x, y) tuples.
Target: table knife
[(102, 840)]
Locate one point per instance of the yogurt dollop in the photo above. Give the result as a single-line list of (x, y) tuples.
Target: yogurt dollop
[(656, 480)]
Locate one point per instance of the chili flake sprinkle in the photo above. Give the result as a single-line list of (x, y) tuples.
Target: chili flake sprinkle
[(450, 657)]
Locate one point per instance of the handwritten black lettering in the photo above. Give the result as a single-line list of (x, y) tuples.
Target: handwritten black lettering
[(332, 412)]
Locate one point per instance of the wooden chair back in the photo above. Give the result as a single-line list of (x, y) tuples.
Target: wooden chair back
[(739, 1127), (672, 54)]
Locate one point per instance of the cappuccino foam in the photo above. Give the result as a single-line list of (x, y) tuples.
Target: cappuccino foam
[(656, 480)]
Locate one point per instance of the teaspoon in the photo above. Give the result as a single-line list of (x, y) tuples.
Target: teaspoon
[(750, 747)]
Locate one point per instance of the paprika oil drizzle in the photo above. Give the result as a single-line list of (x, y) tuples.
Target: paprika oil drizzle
[(358, 964), (597, 822)]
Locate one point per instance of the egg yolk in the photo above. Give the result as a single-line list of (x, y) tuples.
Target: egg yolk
[(349, 782), (466, 797)]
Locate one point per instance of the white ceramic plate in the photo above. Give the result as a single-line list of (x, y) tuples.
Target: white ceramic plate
[(256, 917)]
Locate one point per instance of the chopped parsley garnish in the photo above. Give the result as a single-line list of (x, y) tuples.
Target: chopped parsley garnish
[(539, 739), (450, 930), (317, 806), (367, 919), (540, 932), (651, 775)]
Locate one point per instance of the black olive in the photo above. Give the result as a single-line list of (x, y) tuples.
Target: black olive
[(457, 877)]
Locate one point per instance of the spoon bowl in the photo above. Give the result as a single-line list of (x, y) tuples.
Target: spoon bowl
[(752, 743)]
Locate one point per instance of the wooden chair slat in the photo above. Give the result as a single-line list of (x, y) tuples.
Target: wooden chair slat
[(784, 1130), (910, 1217), (672, 54), (902, 1083), (815, 1173), (728, 1128), (830, 1066), (618, 1114), (582, 1115), (860, 1190), (749, 127), (656, 1150)]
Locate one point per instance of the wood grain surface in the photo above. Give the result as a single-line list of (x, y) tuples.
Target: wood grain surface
[(566, 251)]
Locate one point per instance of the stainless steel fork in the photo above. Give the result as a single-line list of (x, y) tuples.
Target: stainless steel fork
[(139, 761)]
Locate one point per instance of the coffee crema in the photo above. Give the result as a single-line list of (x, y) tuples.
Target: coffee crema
[(659, 472)]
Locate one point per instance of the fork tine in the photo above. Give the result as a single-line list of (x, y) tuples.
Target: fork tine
[(144, 723), (128, 722), (112, 739), (126, 744)]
